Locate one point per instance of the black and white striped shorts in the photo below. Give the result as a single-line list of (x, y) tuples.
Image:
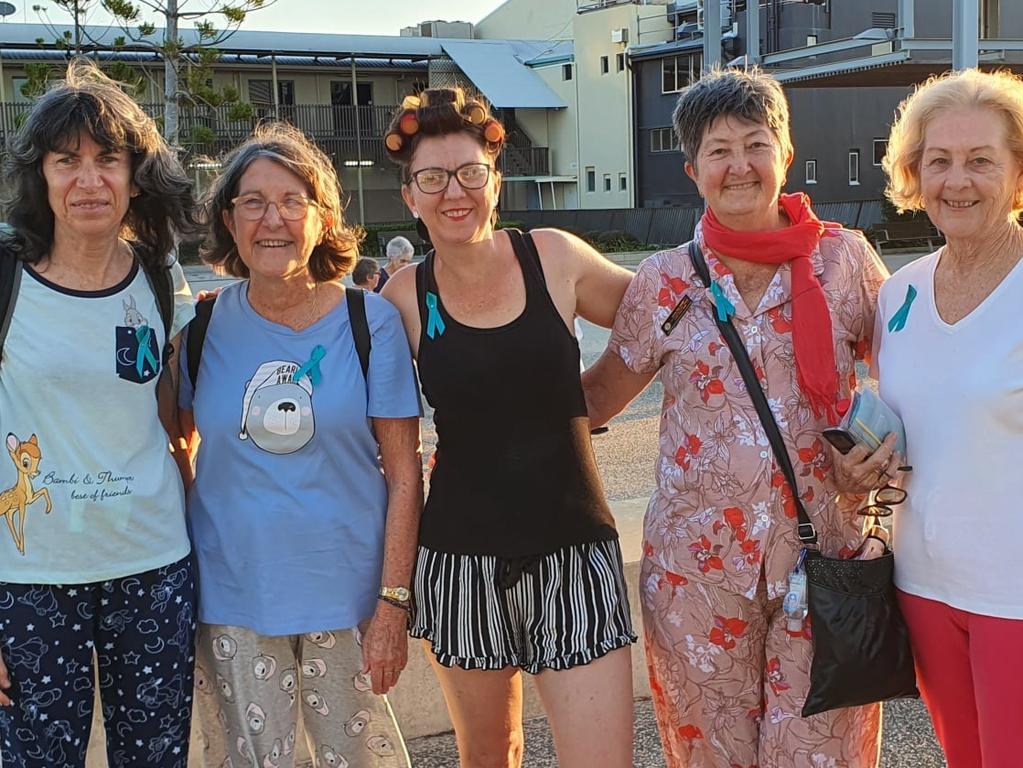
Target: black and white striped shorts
[(553, 611)]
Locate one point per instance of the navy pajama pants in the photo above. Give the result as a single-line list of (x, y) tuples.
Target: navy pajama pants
[(142, 630)]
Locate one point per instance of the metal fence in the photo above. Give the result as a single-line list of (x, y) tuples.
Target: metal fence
[(671, 226), (346, 134)]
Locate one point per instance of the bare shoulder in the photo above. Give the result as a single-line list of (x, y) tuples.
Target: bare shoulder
[(400, 288), (558, 241)]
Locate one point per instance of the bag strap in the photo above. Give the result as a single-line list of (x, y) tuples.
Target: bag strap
[(805, 530), (356, 299), (160, 283), (10, 281), (196, 336)]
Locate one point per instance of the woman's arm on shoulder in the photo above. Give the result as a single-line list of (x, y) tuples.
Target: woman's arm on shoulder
[(400, 290), (598, 282)]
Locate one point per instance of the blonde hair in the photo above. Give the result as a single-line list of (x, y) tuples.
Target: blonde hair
[(999, 92)]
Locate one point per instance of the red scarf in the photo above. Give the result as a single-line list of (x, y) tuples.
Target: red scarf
[(811, 317)]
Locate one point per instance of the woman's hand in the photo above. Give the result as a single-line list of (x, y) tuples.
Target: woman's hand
[(861, 471), (5, 684), (385, 646)]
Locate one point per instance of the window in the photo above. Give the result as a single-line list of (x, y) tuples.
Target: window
[(341, 93), (880, 150), (663, 140), (623, 182), (591, 179), (603, 65), (811, 171), (261, 93), (607, 182), (811, 40), (854, 167), (619, 62), (566, 71), (677, 72)]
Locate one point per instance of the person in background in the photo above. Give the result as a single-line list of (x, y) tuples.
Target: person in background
[(366, 274), (98, 559), (308, 486), (519, 566), (950, 363), (399, 253), (728, 676)]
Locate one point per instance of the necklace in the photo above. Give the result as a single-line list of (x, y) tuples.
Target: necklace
[(314, 302)]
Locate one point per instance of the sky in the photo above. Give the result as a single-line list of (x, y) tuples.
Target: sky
[(353, 17)]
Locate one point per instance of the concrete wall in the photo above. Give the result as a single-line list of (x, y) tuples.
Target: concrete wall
[(528, 20)]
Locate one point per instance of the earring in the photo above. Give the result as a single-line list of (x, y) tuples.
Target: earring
[(415, 214)]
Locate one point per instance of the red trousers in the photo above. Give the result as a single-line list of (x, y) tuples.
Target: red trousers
[(970, 673)]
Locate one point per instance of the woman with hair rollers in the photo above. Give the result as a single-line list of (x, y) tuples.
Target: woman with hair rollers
[(519, 566)]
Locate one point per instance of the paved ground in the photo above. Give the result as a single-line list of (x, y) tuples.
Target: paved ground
[(626, 457), (908, 742)]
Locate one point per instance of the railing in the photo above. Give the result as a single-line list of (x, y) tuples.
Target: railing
[(333, 128), (524, 161)]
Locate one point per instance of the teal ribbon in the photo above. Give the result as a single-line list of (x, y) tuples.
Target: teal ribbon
[(434, 322), (898, 321), (311, 367), (143, 353), (725, 308)]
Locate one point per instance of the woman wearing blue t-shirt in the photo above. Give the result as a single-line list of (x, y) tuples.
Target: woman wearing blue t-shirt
[(308, 486)]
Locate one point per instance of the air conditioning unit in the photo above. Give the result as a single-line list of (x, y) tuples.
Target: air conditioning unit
[(620, 35)]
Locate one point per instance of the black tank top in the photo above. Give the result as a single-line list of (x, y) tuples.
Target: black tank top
[(515, 474)]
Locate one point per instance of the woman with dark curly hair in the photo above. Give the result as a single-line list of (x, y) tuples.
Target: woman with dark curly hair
[(98, 558), (519, 567), (308, 483)]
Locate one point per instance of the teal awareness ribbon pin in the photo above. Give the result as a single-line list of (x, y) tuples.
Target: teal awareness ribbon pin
[(725, 308), (311, 367), (898, 321), (434, 322), (143, 353)]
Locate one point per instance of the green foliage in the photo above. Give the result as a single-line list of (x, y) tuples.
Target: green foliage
[(37, 78), (613, 241), (201, 134), (129, 78)]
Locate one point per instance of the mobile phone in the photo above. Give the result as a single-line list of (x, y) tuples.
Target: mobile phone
[(842, 440)]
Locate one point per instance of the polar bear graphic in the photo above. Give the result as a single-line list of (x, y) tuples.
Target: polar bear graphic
[(277, 412)]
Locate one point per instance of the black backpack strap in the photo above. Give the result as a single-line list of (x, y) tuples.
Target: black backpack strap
[(10, 281), (805, 531), (356, 299), (196, 336), (162, 285)]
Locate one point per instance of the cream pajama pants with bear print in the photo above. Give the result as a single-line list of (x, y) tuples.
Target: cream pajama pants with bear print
[(258, 697)]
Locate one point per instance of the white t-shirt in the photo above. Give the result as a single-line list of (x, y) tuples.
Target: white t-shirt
[(80, 426), (959, 390)]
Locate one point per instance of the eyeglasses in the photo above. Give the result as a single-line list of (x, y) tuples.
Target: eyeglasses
[(885, 497), (254, 207), (434, 180)]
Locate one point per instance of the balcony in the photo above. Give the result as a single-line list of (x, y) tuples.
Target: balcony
[(333, 128)]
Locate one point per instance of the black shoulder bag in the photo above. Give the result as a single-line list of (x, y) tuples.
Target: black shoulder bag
[(861, 651)]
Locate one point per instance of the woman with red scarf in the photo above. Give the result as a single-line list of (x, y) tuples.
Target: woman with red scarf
[(728, 672)]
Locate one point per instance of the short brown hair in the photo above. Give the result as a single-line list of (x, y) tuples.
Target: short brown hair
[(999, 92), (440, 112), (335, 254), (750, 94)]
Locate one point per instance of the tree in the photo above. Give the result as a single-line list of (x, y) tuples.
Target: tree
[(187, 67)]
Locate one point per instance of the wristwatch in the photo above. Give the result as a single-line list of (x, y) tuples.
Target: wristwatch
[(398, 594)]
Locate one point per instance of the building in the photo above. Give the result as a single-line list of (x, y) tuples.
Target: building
[(845, 64), (342, 90)]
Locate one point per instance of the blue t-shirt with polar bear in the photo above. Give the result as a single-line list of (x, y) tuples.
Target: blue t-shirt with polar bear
[(288, 508)]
